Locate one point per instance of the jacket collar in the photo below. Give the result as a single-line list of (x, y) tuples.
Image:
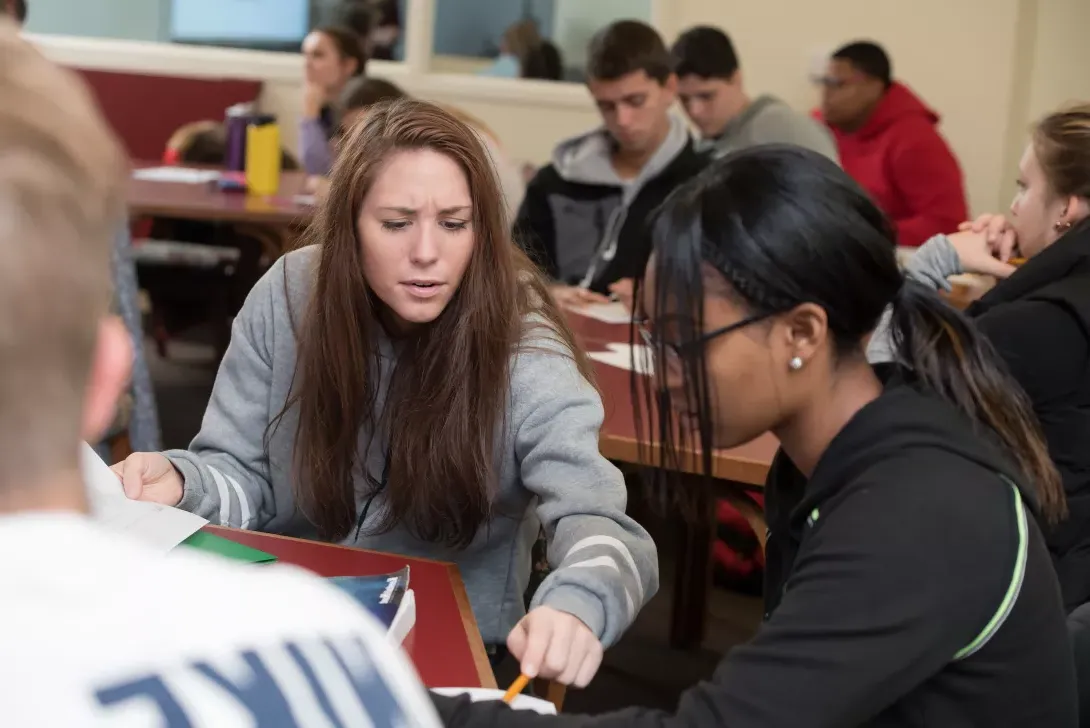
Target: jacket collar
[(1052, 264)]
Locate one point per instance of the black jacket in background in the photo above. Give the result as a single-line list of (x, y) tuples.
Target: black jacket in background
[(1039, 322), (907, 587), (562, 223)]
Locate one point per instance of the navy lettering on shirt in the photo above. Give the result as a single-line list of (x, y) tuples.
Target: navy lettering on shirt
[(258, 692)]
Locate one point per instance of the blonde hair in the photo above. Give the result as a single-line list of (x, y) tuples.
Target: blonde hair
[(1062, 143), (62, 176)]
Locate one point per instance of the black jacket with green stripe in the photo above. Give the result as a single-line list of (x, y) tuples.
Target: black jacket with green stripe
[(907, 586)]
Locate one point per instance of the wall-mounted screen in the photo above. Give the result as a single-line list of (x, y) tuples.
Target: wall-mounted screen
[(239, 22)]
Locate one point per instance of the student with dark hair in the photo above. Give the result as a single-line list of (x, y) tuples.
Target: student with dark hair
[(584, 218), (333, 56), (889, 142), (404, 383), (712, 92), (908, 584)]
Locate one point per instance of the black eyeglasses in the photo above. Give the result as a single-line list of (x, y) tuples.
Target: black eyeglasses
[(675, 353)]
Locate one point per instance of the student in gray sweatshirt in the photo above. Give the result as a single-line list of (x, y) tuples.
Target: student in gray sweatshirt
[(712, 93), (406, 384)]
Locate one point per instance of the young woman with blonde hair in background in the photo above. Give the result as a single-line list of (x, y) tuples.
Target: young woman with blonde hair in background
[(1038, 315)]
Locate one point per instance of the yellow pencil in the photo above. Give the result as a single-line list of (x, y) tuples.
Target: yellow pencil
[(516, 687)]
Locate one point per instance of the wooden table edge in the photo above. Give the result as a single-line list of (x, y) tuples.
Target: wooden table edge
[(724, 467), (272, 217), (473, 632), (354, 549)]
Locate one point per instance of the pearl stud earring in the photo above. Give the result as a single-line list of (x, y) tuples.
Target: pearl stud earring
[(795, 363)]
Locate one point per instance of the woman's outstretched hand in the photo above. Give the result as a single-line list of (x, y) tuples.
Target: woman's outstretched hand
[(555, 645)]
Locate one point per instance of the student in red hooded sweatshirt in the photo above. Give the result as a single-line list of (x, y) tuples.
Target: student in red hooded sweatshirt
[(889, 143)]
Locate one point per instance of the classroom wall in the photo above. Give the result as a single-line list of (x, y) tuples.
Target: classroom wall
[(958, 56), (988, 66)]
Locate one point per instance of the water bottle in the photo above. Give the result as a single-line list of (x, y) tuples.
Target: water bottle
[(236, 119), (263, 155)]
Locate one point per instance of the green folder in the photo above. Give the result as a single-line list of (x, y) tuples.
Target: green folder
[(213, 544)]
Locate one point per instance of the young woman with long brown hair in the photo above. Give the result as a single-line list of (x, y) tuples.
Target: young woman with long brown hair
[(405, 383)]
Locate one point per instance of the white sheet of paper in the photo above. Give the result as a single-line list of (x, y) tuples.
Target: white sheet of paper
[(184, 175), (610, 313), (620, 355), (521, 702), (160, 527)]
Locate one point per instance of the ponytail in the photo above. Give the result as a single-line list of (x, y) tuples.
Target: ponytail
[(952, 358)]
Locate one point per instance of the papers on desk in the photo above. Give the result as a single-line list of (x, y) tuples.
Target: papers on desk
[(181, 175), (620, 356), (521, 702), (160, 527), (610, 313)]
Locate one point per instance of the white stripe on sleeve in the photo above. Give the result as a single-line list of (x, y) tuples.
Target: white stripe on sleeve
[(613, 543), (225, 497), (243, 503)]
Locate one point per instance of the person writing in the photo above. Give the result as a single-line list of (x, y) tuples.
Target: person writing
[(584, 217), (405, 383), (908, 584), (333, 55), (1038, 315), (99, 629)]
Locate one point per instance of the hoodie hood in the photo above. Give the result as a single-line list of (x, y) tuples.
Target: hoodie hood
[(904, 419), (899, 104), (588, 158)]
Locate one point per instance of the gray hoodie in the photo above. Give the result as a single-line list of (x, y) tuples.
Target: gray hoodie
[(586, 224), (767, 120), (551, 472), (932, 265)]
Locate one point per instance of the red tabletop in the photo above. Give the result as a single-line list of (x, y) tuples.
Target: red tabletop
[(619, 440), (208, 202), (445, 643)]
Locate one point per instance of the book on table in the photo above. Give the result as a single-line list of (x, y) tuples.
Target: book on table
[(387, 597)]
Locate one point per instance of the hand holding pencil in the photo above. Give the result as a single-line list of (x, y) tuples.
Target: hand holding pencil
[(555, 645)]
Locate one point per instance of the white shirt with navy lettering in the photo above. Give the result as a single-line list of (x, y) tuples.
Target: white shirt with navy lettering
[(95, 630)]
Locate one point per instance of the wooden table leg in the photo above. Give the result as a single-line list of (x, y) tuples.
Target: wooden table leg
[(694, 569), (694, 557)]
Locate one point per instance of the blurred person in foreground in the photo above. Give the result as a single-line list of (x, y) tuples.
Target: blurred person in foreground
[(584, 217), (890, 144), (99, 630), (712, 92), (15, 9)]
